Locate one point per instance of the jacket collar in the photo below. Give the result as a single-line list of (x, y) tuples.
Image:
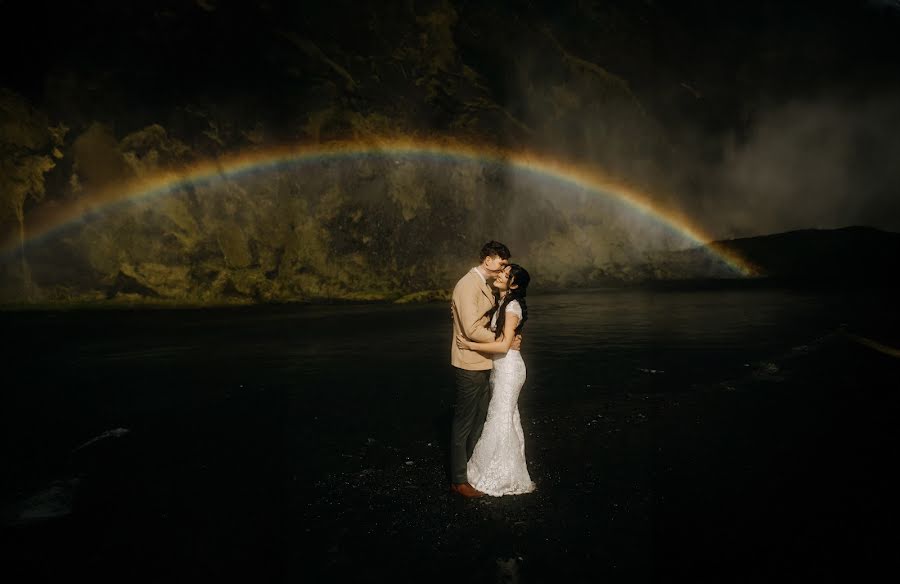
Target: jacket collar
[(485, 287)]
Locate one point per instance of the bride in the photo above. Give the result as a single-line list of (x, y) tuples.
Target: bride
[(497, 466)]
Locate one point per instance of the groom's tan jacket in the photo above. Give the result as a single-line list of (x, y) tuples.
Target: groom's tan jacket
[(472, 297)]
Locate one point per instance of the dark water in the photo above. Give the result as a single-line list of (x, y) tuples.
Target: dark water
[(291, 441)]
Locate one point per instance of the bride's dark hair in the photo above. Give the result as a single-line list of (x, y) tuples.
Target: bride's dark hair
[(520, 277)]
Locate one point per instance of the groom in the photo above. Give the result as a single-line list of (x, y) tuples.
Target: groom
[(472, 298)]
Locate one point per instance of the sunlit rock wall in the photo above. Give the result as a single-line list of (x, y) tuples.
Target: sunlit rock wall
[(380, 227)]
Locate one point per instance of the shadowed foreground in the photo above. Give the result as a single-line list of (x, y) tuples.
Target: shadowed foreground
[(780, 470)]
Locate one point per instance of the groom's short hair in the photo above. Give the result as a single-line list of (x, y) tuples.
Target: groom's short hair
[(494, 248)]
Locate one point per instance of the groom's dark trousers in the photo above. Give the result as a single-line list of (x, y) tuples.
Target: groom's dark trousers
[(473, 394)]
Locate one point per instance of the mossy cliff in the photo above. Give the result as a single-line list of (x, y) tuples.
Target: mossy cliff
[(145, 90)]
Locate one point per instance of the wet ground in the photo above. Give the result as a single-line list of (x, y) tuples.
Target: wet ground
[(778, 467)]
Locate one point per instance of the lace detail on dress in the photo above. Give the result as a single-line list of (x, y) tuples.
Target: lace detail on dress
[(498, 466), (512, 308)]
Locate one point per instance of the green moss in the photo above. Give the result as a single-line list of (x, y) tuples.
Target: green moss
[(441, 295)]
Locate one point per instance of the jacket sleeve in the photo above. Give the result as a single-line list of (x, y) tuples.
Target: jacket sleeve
[(472, 322)]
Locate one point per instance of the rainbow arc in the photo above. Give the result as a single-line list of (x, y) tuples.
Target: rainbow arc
[(50, 219)]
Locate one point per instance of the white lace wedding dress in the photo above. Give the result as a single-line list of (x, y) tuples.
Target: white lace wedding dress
[(497, 466)]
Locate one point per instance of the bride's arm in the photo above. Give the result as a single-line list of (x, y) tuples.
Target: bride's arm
[(501, 345)]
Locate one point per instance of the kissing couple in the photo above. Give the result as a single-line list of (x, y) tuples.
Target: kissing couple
[(487, 445)]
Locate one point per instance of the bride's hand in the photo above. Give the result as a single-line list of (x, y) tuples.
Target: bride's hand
[(462, 343)]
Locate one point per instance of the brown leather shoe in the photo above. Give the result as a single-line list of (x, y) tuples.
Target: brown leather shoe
[(466, 490)]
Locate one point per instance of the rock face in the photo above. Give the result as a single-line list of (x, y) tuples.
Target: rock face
[(367, 228), (199, 82)]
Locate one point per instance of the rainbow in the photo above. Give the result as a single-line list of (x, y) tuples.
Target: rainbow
[(50, 218)]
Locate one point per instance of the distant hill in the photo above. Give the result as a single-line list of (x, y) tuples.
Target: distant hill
[(846, 257)]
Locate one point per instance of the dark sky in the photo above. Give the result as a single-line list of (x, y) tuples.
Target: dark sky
[(780, 114)]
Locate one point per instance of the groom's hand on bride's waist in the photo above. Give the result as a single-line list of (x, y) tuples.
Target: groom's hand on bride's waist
[(517, 343)]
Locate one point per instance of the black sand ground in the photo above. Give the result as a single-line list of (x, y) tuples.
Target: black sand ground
[(784, 471)]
